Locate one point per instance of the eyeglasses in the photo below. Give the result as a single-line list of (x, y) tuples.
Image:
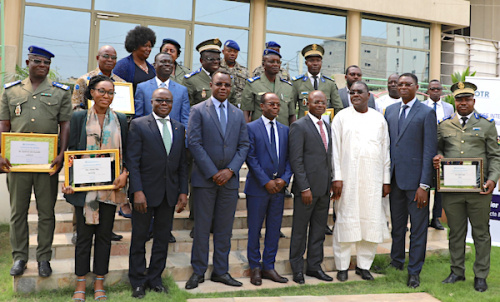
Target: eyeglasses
[(227, 85), (163, 101), (38, 61), (106, 56), (212, 59), (273, 104), (405, 84), (102, 92), (436, 89), (353, 92)]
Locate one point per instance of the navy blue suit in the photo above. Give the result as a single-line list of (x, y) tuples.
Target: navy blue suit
[(180, 107), (412, 151), (212, 151), (162, 178), (260, 203)]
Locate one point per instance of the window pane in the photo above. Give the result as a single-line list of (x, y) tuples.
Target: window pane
[(202, 33), (77, 4), (394, 34), (113, 33), (69, 44), (154, 8), (292, 60), (178, 34), (307, 23), (225, 12)]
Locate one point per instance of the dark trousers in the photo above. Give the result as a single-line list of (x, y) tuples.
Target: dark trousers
[(269, 207), (101, 234), (217, 205), (402, 205), (315, 217), (162, 225)]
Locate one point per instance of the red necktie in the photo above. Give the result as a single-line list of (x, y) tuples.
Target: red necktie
[(323, 135)]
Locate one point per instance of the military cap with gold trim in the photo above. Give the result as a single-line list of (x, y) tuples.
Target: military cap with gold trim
[(212, 45), (461, 89), (313, 50)]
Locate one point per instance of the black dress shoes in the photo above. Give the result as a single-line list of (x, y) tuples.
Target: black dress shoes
[(44, 269), (282, 235), (328, 231), (139, 292), (225, 279), (364, 273), (342, 276), (435, 223), (18, 268), (159, 289), (172, 238), (256, 277), (480, 284), (396, 266), (273, 275), (319, 274), (413, 281), (452, 278), (298, 278), (116, 237), (193, 281)]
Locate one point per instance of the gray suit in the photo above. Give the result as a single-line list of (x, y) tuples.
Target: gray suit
[(345, 98), (447, 107)]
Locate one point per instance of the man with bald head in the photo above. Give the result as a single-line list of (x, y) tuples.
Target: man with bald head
[(392, 95), (106, 61)]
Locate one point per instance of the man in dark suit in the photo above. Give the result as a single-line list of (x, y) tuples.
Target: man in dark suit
[(218, 142), (412, 130), (353, 74), (158, 181), (310, 158), (269, 173)]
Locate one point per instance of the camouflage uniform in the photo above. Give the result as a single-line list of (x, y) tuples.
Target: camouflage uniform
[(240, 75), (78, 100)]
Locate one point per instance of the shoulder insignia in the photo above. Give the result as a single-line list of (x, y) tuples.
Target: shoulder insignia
[(298, 77), (59, 85), (251, 80), (187, 76), (328, 78), (77, 87), (283, 80), (444, 119), (484, 116), (8, 85)]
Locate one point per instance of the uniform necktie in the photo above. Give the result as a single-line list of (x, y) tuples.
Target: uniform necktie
[(464, 121), (323, 135), (402, 118), (435, 105), (315, 82), (222, 118), (167, 138), (273, 147)]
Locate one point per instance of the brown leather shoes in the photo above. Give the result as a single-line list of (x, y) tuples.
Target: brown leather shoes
[(271, 274), (256, 277)]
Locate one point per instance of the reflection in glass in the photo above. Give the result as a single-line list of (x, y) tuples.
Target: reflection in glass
[(178, 34), (70, 44), (181, 10), (113, 33), (394, 34), (77, 4), (225, 12)]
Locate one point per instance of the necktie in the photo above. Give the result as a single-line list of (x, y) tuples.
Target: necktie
[(315, 82), (274, 154), (167, 138), (402, 118), (464, 121), (222, 118), (435, 105), (323, 135)]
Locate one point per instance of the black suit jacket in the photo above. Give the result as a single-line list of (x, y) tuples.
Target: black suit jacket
[(152, 170), (345, 99)]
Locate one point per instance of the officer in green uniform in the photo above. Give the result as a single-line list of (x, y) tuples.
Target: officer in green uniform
[(198, 81), (238, 72), (314, 80), (34, 105), (259, 71), (468, 134), (268, 82)]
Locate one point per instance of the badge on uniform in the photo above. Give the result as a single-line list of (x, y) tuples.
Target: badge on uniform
[(203, 93), (304, 97), (46, 94), (18, 110), (476, 129)]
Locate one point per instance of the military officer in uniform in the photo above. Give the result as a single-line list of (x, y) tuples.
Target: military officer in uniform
[(238, 72), (198, 81), (268, 82), (314, 80), (34, 105), (468, 134), (259, 71)]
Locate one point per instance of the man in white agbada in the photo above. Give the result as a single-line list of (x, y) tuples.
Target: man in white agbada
[(361, 164)]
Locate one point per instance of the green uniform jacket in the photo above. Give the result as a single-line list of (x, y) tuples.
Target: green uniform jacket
[(478, 138), (257, 86), (302, 86), (37, 111), (180, 72), (240, 75), (198, 86), (259, 71)]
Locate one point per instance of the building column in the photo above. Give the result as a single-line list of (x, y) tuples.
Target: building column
[(353, 32), (435, 52), (12, 31), (257, 35)]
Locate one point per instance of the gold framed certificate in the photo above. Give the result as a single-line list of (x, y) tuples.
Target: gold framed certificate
[(91, 170), (123, 100), (29, 152), (460, 175)]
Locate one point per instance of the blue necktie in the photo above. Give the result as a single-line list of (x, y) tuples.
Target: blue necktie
[(435, 106), (222, 118), (274, 154), (402, 118)]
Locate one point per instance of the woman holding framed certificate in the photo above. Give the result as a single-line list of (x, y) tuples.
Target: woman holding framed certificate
[(93, 186)]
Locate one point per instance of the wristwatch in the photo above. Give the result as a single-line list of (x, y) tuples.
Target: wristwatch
[(230, 169), (426, 188)]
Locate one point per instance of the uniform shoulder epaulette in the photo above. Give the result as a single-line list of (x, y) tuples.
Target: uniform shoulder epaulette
[(59, 85), (289, 83), (251, 80), (328, 78), (187, 76), (8, 85), (484, 116), (298, 77), (444, 119)]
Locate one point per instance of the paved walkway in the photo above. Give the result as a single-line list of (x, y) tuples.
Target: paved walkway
[(416, 297)]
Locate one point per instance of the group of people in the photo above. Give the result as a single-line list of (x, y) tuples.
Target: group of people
[(192, 132)]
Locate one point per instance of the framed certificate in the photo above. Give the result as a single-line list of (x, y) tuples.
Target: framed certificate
[(124, 99), (29, 152), (327, 116), (460, 175), (91, 170)]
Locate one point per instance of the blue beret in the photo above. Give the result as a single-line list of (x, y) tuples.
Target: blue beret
[(270, 44), (271, 52), (232, 44), (172, 41), (35, 50)]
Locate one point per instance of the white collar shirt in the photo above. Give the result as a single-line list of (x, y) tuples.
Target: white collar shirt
[(315, 121), (268, 130)]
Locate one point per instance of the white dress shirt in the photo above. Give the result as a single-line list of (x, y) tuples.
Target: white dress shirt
[(160, 125), (159, 82), (268, 130), (217, 107), (312, 79), (315, 121), (410, 105), (439, 108)]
